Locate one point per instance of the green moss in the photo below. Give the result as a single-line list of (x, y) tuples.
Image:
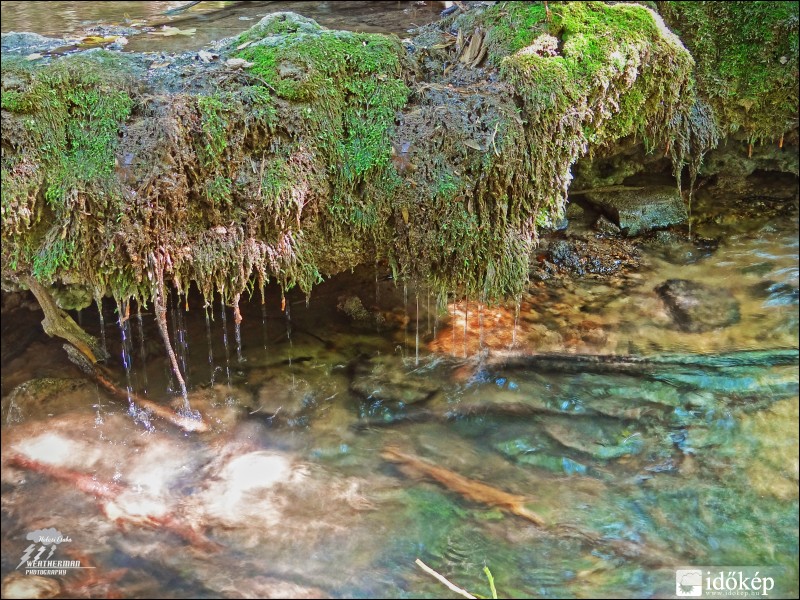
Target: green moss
[(747, 61), (346, 89), (286, 169), (214, 127), (53, 257), (350, 85), (71, 114), (509, 27), (218, 190)]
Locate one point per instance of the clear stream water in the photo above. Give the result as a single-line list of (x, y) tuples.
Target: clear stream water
[(695, 464), (211, 20), (288, 495)]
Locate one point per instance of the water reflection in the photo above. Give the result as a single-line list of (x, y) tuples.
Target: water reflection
[(682, 459)]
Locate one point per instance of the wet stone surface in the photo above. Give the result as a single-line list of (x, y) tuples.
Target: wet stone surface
[(638, 211), (696, 307), (378, 381)]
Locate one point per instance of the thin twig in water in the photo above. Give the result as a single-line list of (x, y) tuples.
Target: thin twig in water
[(491, 582), (444, 580)]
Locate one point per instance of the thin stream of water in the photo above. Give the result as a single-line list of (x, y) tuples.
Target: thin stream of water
[(123, 308), (211, 365), (224, 318), (142, 352)]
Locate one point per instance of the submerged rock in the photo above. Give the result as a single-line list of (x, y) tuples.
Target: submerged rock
[(48, 395), (679, 249), (522, 451), (606, 227), (382, 381), (640, 210), (600, 441), (591, 256), (696, 307)]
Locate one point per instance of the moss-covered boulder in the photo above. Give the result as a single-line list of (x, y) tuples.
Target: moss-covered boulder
[(636, 211), (319, 150), (747, 62)]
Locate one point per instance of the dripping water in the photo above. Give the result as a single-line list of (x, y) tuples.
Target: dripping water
[(225, 343), (237, 329), (142, 353), (264, 323), (181, 338), (406, 319), (98, 299), (288, 315), (173, 384), (123, 308), (264, 315), (209, 341)]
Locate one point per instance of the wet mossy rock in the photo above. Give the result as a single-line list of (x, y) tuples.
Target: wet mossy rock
[(747, 62), (441, 155), (696, 307), (640, 210)]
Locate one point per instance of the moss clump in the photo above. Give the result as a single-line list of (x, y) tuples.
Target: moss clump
[(509, 27), (617, 72), (68, 118), (325, 153), (747, 62), (346, 89)]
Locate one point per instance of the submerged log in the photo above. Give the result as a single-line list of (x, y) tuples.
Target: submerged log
[(468, 488), (640, 365), (487, 495)]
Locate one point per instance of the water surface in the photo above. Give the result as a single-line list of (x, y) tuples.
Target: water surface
[(288, 494)]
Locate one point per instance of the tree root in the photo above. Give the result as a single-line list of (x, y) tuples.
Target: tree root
[(186, 422), (58, 323), (160, 306)]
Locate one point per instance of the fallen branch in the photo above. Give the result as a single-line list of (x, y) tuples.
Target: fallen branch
[(469, 488), (160, 307), (491, 496), (103, 380), (58, 323), (444, 580)]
